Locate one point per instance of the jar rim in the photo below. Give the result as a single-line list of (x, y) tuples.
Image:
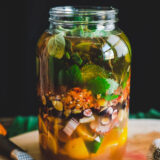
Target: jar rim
[(83, 10), (66, 14)]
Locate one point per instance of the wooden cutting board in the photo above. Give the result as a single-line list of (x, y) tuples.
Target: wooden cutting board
[(141, 134)]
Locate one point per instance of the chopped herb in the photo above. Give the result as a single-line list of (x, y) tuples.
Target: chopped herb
[(68, 55), (74, 75), (124, 83), (98, 85), (77, 59), (90, 71), (113, 85), (110, 97)]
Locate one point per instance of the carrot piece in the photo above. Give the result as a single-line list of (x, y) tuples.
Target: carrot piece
[(2, 130)]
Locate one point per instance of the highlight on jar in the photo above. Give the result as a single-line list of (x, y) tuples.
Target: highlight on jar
[(83, 91)]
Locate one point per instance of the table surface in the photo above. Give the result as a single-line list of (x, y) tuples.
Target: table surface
[(141, 134)]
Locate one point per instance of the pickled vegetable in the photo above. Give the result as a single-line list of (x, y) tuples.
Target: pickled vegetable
[(83, 92)]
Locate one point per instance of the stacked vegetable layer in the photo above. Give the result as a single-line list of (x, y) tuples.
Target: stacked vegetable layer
[(83, 95)]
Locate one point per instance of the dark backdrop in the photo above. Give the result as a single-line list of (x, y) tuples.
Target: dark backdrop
[(23, 22)]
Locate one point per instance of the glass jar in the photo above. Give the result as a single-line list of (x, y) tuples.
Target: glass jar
[(83, 69)]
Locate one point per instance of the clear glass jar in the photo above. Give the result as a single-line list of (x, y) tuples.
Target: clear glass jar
[(83, 69)]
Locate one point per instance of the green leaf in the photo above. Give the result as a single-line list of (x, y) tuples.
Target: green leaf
[(84, 46), (113, 85), (74, 75), (56, 46), (124, 83), (77, 59), (68, 55), (110, 97), (98, 85), (94, 145), (90, 71)]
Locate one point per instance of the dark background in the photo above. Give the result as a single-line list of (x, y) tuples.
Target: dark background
[(23, 22)]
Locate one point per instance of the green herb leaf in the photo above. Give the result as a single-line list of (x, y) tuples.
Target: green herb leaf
[(77, 59), (90, 71), (68, 46), (110, 97), (56, 46), (68, 55), (74, 75), (84, 46), (98, 85), (113, 85), (124, 83)]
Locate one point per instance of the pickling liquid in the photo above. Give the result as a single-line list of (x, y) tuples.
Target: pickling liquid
[(83, 96)]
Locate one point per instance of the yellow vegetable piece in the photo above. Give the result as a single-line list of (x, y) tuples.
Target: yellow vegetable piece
[(101, 102), (84, 46), (76, 149), (84, 133), (123, 136), (56, 126), (111, 139), (42, 126), (128, 58), (52, 143), (43, 138)]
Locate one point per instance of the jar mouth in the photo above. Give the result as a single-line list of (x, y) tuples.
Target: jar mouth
[(83, 14)]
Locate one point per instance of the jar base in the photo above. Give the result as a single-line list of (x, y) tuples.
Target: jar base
[(117, 154)]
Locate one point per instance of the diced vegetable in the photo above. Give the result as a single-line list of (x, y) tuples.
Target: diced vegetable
[(87, 119), (56, 126), (105, 120), (2, 130), (63, 137), (76, 148), (87, 112), (52, 143), (121, 115), (102, 102), (84, 133), (114, 114), (58, 105), (71, 126), (67, 112), (95, 145), (42, 126), (43, 138)]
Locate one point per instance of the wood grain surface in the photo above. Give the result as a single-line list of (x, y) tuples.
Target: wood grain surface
[(141, 134)]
